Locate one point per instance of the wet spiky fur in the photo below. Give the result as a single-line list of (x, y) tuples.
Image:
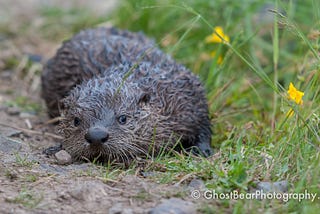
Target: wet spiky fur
[(103, 73)]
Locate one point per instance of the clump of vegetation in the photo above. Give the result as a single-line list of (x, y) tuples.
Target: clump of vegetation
[(62, 23), (27, 199), (25, 104), (23, 160)]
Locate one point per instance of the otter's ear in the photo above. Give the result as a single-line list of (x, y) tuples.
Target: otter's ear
[(144, 98)]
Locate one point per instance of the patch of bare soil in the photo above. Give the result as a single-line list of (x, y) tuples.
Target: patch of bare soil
[(30, 181)]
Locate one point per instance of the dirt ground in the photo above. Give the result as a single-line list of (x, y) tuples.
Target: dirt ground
[(31, 182)]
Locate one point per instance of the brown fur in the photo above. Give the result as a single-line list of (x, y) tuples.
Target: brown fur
[(102, 74)]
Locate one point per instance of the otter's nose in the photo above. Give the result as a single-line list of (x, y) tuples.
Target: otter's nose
[(96, 135)]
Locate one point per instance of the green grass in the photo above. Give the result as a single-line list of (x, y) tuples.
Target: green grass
[(24, 103), (253, 138), (23, 160), (62, 23), (27, 198)]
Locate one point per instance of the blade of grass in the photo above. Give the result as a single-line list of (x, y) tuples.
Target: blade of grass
[(275, 67)]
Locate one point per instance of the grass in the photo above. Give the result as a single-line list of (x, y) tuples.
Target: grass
[(26, 198), (23, 160), (253, 138), (63, 23), (24, 103)]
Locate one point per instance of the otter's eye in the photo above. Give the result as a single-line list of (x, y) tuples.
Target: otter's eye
[(122, 119), (76, 121)]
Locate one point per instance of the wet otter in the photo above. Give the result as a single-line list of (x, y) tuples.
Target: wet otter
[(120, 98)]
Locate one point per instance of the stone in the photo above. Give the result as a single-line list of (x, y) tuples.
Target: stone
[(8, 145), (120, 208), (13, 111), (174, 206), (89, 191), (196, 184), (7, 75), (9, 132), (63, 157), (279, 186), (27, 114)]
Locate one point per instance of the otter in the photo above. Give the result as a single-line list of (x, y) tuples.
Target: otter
[(120, 97)]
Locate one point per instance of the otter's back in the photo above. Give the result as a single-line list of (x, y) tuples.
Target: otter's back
[(89, 54)]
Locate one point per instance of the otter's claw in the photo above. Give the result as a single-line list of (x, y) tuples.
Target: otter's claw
[(52, 150)]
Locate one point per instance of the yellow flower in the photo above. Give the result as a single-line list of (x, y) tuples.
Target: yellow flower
[(295, 94), (214, 38), (219, 59)]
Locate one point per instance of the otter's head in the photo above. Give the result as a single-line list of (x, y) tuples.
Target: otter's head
[(104, 119)]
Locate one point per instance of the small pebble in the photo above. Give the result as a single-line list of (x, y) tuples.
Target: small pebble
[(63, 157), (9, 132), (279, 186), (148, 174), (120, 209), (6, 75), (196, 184), (13, 111), (8, 145), (26, 114), (174, 206), (270, 187)]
